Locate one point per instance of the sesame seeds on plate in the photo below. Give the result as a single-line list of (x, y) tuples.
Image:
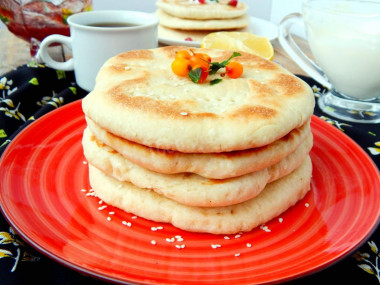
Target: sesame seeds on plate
[(177, 241)]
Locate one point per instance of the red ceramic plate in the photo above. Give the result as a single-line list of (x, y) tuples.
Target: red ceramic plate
[(46, 196)]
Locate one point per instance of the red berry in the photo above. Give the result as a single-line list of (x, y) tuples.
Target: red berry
[(183, 54), (234, 69), (180, 66), (200, 59), (233, 3)]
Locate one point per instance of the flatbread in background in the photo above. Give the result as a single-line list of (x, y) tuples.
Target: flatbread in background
[(194, 10), (186, 188), (275, 199), (190, 35), (209, 165), (173, 22), (139, 98)]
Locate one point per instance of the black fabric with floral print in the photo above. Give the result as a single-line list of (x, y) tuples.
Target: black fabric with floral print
[(31, 91)]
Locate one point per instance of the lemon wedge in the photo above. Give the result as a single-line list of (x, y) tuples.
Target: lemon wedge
[(239, 41)]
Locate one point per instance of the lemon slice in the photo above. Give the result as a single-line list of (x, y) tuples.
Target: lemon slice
[(239, 41)]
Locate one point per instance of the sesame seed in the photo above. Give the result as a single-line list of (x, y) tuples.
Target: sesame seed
[(237, 254), (237, 236), (307, 205), (108, 218), (102, 207), (226, 237), (84, 162), (180, 246), (280, 220), (215, 245), (248, 244), (83, 190), (153, 242), (111, 213), (153, 229), (265, 228), (160, 228), (126, 223), (134, 217), (100, 202), (184, 113)]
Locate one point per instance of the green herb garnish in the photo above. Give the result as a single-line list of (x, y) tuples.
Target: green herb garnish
[(215, 66), (215, 81), (195, 74), (199, 74)]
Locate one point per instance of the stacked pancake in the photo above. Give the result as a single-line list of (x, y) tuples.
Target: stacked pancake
[(220, 158), (186, 19)]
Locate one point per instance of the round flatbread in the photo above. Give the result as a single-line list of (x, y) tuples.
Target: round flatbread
[(139, 98), (169, 34), (210, 165), (191, 189), (194, 10), (173, 22), (275, 199)]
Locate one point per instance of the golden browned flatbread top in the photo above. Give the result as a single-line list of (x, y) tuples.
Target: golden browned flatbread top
[(139, 98)]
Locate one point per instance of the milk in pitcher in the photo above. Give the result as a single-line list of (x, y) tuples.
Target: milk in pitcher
[(347, 49)]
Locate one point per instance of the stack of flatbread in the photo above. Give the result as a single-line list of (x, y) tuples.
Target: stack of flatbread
[(192, 20), (220, 158)]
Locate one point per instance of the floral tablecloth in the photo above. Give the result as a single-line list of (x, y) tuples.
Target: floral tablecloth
[(33, 90)]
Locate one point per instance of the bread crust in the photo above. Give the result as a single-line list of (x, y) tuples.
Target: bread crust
[(174, 22), (210, 165), (191, 189), (193, 10), (275, 199), (139, 98)]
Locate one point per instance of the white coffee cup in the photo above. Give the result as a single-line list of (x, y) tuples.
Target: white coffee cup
[(344, 38), (96, 36)]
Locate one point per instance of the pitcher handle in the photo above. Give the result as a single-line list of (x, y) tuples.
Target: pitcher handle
[(294, 51)]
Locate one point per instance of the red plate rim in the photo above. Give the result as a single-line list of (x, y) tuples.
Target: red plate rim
[(323, 208)]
